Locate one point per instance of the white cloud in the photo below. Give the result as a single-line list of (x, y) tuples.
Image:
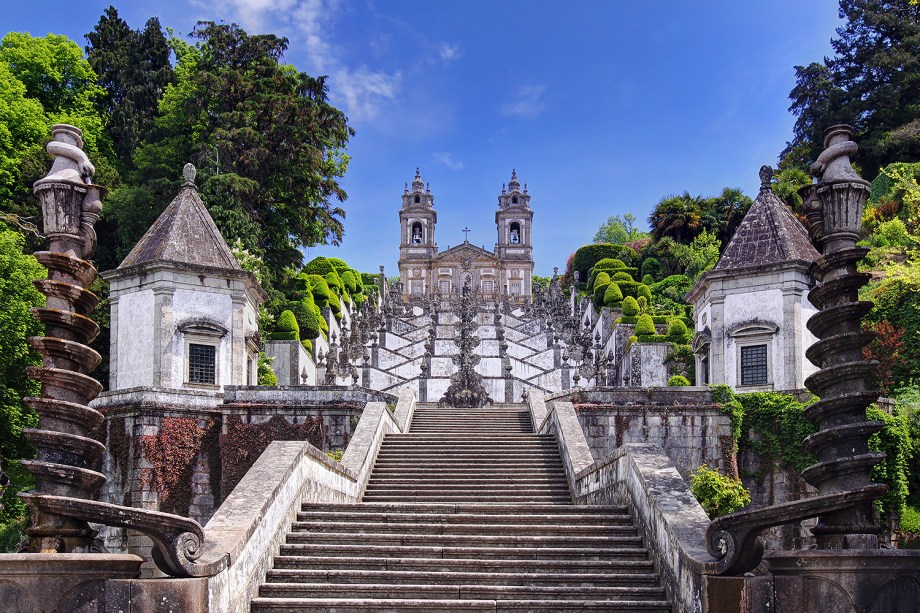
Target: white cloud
[(251, 13), (449, 52), (528, 102), (363, 91), (443, 157)]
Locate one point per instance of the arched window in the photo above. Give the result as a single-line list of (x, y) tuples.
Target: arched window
[(417, 198), (417, 232), (513, 199), (515, 233)]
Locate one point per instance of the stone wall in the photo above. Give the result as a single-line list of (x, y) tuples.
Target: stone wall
[(683, 422), (185, 452)]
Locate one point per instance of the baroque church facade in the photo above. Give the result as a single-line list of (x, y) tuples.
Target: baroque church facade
[(427, 272)]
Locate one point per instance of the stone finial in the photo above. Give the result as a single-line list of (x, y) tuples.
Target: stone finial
[(766, 177), (406, 188), (189, 173), (834, 162), (71, 164)]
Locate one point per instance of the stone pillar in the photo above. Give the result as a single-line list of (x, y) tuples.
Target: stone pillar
[(793, 343), (717, 349), (164, 331)]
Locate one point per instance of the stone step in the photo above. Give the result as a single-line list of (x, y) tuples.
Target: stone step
[(342, 605), (448, 454), (535, 541), (574, 566), (456, 489), (530, 519), (504, 552), (461, 592), (397, 480), (465, 509), (449, 498), (429, 577), (366, 527), (465, 442)]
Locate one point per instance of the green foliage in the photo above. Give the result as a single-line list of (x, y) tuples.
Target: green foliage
[(774, 427), (891, 233), (668, 294), (908, 405), (895, 442), (700, 255), (645, 326), (612, 296), (609, 265), (319, 266), (587, 256), (12, 536), (630, 307), (723, 395), (652, 267), (266, 375), (644, 291), (678, 381), (308, 345), (677, 217), (897, 301), (321, 292), (718, 494), (678, 332), (910, 521), (621, 276), (17, 296), (681, 360), (336, 454), (648, 280), (619, 230), (286, 328), (871, 79)]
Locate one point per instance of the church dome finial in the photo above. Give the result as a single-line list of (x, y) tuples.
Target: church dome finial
[(189, 173), (417, 184), (514, 185), (766, 177)]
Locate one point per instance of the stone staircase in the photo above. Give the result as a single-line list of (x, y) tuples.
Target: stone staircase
[(469, 511)]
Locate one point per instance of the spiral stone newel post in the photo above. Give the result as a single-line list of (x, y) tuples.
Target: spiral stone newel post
[(68, 458), (845, 383)]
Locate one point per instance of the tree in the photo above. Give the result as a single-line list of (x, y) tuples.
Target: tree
[(619, 230), (17, 296), (268, 146), (133, 68), (728, 209), (677, 217), (872, 82)]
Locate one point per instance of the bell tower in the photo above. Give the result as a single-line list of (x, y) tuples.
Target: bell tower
[(514, 248), (417, 219)]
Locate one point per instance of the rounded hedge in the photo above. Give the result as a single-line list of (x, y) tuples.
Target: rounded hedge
[(677, 331), (319, 266), (645, 326), (644, 291), (599, 290), (587, 256), (630, 307), (613, 296), (287, 327), (322, 295), (351, 283), (678, 381), (609, 264), (621, 276), (651, 266), (648, 280)]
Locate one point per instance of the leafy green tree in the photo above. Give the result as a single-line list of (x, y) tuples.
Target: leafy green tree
[(619, 230), (677, 217), (727, 210), (17, 296), (718, 494), (134, 69), (694, 259), (872, 81)]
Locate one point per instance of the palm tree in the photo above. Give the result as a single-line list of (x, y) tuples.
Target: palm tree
[(678, 217)]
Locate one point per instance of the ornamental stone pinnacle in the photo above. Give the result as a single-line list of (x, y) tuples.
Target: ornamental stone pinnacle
[(189, 172)]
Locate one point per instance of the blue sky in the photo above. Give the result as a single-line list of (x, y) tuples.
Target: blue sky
[(603, 107)]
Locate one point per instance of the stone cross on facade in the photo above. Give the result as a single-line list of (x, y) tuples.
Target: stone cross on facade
[(466, 235)]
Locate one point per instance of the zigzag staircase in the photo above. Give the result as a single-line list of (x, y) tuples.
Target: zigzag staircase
[(469, 511)]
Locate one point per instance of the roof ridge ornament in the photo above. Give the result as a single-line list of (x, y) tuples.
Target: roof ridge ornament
[(766, 178), (189, 173)]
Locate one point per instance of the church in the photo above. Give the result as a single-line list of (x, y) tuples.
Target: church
[(424, 271)]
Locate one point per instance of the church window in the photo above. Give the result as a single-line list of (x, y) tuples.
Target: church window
[(417, 233), (202, 363), (515, 233), (514, 200), (417, 199), (515, 288), (754, 365), (416, 286), (445, 287), (488, 287)]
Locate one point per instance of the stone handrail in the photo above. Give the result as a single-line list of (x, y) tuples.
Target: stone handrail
[(669, 519), (251, 524)]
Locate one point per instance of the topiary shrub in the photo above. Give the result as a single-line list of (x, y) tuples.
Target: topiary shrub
[(678, 381), (286, 328), (717, 493), (602, 278), (643, 291), (645, 326), (651, 267), (613, 296), (308, 345), (609, 264), (587, 256), (319, 266), (629, 288), (678, 332), (630, 307), (339, 265), (600, 289), (621, 276), (322, 295), (648, 280)]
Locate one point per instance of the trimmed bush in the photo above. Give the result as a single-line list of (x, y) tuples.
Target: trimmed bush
[(609, 264), (308, 345), (678, 381), (645, 326), (351, 283), (602, 278), (339, 265), (648, 280), (599, 290), (613, 296), (587, 256), (652, 267), (678, 332), (630, 306), (319, 266), (643, 291), (629, 288), (717, 493), (320, 290), (621, 276), (286, 328)]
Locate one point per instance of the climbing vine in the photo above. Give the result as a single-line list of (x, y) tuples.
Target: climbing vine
[(774, 426), (172, 453)]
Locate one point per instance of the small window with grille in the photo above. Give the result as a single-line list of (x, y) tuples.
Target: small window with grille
[(754, 365), (202, 364)]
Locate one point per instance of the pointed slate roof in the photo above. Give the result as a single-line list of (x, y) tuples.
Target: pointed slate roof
[(768, 234), (184, 233)]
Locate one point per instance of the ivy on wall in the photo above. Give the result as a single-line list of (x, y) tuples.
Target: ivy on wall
[(172, 452)]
